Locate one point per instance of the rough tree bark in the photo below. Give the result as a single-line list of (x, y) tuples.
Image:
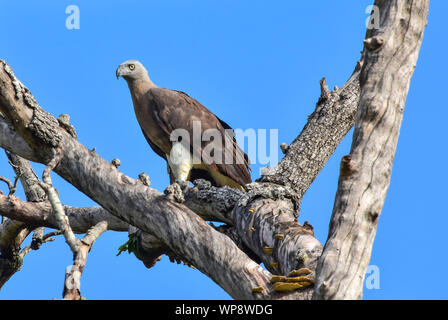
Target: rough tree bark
[(390, 57), (13, 232), (261, 223)]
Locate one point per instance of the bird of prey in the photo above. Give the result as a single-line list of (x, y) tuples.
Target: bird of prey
[(161, 112)]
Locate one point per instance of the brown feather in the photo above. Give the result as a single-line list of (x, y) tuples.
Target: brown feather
[(172, 110)]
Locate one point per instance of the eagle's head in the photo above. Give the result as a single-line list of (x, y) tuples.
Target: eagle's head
[(131, 70)]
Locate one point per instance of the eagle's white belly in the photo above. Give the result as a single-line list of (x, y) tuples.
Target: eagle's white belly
[(180, 161)]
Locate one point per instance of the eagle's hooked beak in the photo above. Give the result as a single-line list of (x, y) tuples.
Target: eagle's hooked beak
[(119, 72)]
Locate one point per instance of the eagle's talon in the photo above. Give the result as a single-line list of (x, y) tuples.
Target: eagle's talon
[(183, 185), (174, 192)]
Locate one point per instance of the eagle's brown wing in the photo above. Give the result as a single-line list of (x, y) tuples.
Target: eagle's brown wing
[(175, 109), (154, 147)]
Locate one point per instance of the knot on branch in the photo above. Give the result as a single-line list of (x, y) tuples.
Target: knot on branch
[(326, 94), (270, 191), (324, 91), (116, 162), (144, 178), (374, 43), (36, 243), (64, 122), (175, 192), (348, 167), (359, 65), (307, 226), (284, 147)]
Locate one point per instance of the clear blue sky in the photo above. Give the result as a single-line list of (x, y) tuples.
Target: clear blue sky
[(256, 65)]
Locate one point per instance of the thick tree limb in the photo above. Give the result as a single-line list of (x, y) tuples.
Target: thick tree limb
[(218, 204), (266, 220), (325, 129), (40, 214), (391, 54), (12, 141)]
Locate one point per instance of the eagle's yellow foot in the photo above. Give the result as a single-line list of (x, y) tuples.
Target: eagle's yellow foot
[(175, 191)]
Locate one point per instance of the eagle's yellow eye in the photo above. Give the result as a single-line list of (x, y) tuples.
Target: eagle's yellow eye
[(131, 66)]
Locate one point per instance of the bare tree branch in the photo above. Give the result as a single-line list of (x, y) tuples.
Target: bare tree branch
[(58, 209), (14, 232), (80, 248), (11, 186), (28, 178), (12, 141), (265, 219), (44, 239), (40, 214), (391, 54), (72, 283), (326, 127)]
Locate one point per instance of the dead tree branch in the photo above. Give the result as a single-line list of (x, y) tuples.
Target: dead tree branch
[(44, 239), (13, 233), (58, 210), (326, 127), (72, 283), (40, 214), (391, 54), (80, 248)]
